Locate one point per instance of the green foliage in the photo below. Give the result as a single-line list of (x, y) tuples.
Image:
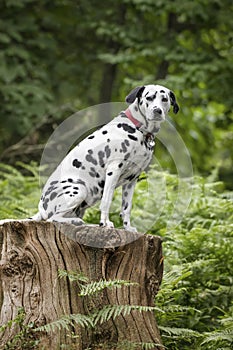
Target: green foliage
[(19, 191), (98, 286), (66, 322), (92, 52), (88, 288), (113, 311), (100, 316), (194, 305), (26, 338)]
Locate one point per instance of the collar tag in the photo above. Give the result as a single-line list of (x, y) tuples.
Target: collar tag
[(150, 140)]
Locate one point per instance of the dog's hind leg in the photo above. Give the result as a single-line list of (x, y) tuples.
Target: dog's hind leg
[(67, 206)]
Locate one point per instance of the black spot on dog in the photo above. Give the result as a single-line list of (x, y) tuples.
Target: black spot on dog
[(91, 137), (53, 182), (96, 190), (131, 137), (45, 204), (107, 151), (76, 188), (136, 108), (104, 132), (90, 159), (120, 165), (125, 193), (75, 192), (124, 148), (126, 206), (108, 140), (101, 184), (101, 158), (110, 173), (50, 215), (76, 163), (49, 190), (63, 182), (83, 204), (131, 177), (90, 151), (92, 174), (65, 187), (70, 180), (127, 142), (126, 127), (67, 192), (141, 103), (127, 156), (53, 195), (162, 91)]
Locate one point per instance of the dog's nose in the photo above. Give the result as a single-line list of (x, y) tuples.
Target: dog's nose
[(157, 110)]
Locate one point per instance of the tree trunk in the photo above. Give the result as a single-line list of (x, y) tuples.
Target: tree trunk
[(33, 252)]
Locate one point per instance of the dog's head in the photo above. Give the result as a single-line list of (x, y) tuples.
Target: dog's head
[(153, 101)]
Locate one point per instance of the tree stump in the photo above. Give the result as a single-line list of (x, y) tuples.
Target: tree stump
[(33, 252)]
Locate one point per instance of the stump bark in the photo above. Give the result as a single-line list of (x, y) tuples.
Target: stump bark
[(33, 252)]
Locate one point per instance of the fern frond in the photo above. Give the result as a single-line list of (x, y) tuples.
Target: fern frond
[(73, 276), (176, 308), (82, 320), (179, 332), (98, 286), (219, 336), (113, 311), (65, 322)]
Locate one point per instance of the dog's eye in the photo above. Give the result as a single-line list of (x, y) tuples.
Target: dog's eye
[(150, 98), (164, 99)]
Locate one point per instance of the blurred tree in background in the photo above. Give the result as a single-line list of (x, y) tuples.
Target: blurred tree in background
[(63, 55)]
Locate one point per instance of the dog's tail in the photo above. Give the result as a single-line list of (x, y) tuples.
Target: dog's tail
[(36, 217)]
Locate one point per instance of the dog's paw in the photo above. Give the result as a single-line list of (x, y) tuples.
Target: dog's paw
[(130, 228), (106, 223)]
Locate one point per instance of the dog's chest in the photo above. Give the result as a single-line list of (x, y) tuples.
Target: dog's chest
[(118, 142)]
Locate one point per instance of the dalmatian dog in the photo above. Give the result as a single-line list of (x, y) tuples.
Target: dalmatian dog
[(112, 156)]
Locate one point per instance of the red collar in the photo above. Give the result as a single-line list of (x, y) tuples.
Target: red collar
[(136, 122), (149, 138)]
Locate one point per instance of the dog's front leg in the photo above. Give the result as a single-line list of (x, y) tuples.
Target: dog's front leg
[(112, 176), (127, 198)]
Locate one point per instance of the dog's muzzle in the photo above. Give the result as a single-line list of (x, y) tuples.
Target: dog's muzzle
[(157, 114)]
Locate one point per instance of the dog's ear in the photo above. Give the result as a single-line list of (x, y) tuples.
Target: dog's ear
[(173, 102), (137, 92)]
